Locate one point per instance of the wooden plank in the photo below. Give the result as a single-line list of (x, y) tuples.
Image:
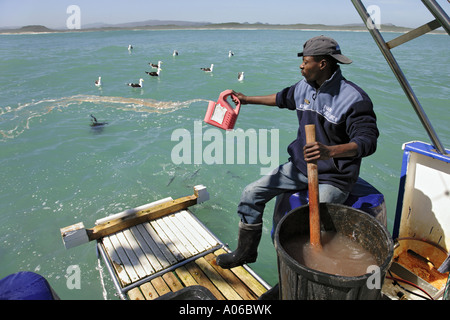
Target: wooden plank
[(190, 233), (131, 211), (148, 252), (231, 279), (149, 291), (138, 252), (166, 240), (249, 280), (217, 280), (415, 33), (155, 212), (172, 281), (135, 294), (185, 277), (203, 280), (160, 286), (124, 258), (171, 259), (116, 262), (202, 232), (131, 255), (173, 238), (164, 256), (77, 234), (246, 277), (178, 232)]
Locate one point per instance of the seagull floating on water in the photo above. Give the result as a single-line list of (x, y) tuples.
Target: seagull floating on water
[(155, 66), (98, 83), (241, 76), (137, 85), (175, 53), (153, 73), (210, 69), (130, 47), (230, 54)]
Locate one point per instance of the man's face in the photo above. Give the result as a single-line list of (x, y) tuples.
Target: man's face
[(310, 68)]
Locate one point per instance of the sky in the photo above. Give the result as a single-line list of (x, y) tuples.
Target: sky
[(53, 13)]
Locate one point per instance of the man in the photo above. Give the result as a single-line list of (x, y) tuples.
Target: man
[(346, 131)]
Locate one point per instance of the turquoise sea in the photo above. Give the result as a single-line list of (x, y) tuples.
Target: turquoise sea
[(56, 170)]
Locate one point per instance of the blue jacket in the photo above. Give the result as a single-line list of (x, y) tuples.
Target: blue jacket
[(342, 112)]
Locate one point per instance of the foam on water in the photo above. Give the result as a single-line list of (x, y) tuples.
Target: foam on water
[(18, 119)]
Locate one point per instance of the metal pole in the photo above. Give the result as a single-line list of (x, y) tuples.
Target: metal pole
[(437, 11), (110, 268), (399, 75)]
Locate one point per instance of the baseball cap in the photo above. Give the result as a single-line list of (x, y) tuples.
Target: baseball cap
[(322, 46)]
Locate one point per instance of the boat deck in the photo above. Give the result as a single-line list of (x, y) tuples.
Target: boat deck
[(167, 254)]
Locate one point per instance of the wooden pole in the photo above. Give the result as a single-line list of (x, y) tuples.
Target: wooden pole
[(156, 212), (313, 188)]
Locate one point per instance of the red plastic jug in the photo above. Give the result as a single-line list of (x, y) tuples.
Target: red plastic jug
[(221, 114)]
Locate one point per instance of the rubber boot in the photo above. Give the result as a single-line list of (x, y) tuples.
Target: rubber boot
[(247, 250)]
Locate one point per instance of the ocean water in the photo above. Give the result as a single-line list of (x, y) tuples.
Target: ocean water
[(56, 170)]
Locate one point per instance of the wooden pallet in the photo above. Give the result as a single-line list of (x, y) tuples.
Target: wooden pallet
[(172, 252), (234, 284)]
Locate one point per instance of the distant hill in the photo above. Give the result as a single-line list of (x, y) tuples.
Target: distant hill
[(176, 24), (147, 23), (29, 29)]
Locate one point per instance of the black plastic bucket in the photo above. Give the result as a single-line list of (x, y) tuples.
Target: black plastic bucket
[(298, 282)]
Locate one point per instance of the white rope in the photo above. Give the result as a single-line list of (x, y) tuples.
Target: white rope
[(100, 269)]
